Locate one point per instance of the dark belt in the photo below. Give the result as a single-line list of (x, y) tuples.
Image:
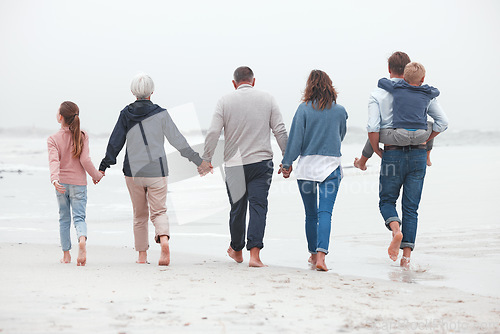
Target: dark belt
[(409, 147)]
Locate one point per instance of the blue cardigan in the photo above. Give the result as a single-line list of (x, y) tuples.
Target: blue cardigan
[(315, 132), (410, 103)]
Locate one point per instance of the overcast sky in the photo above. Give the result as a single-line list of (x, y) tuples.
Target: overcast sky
[(88, 52)]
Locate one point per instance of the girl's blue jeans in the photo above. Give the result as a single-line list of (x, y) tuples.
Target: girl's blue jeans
[(319, 198), (72, 202)]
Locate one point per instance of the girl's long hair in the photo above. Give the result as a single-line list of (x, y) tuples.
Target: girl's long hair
[(319, 90), (70, 112)]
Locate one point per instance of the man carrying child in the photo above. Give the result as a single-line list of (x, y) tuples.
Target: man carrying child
[(404, 159)]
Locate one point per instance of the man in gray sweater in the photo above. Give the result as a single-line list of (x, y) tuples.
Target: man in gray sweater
[(247, 116)]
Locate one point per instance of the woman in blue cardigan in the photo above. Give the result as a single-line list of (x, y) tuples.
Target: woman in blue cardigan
[(318, 128)]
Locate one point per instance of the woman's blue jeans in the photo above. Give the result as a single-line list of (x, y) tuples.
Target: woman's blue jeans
[(74, 200), (319, 217)]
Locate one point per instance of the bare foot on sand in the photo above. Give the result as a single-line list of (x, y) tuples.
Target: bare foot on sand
[(165, 251), (393, 249), (429, 163), (405, 262), (320, 262), (236, 256), (405, 259), (143, 257), (313, 259), (255, 258), (82, 252), (360, 163), (66, 257)]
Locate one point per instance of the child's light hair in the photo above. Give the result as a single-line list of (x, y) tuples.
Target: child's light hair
[(414, 73), (142, 86)]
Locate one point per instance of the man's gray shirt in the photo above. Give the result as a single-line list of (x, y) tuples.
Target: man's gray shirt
[(247, 116)]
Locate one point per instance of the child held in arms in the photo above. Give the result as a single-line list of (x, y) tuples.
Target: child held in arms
[(410, 126)]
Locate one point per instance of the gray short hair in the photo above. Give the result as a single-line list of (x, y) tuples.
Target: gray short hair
[(142, 86), (243, 73)]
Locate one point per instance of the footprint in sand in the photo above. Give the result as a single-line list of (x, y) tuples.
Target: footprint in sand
[(247, 306)]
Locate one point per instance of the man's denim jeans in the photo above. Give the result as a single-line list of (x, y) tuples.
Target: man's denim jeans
[(402, 168), (319, 218), (74, 200)]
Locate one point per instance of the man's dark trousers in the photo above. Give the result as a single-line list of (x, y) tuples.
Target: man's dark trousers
[(248, 186)]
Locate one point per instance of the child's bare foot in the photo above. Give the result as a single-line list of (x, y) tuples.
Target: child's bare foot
[(236, 256), (143, 257), (255, 258), (320, 262), (360, 163), (313, 259), (165, 251), (429, 163), (393, 249), (66, 257), (82, 252)]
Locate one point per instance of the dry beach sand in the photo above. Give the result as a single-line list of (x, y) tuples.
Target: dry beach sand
[(199, 294), (452, 287)]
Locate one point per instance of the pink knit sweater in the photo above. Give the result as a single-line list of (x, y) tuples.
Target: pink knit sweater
[(63, 166)]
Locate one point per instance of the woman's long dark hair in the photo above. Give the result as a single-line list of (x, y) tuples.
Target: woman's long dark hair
[(70, 111), (319, 90)]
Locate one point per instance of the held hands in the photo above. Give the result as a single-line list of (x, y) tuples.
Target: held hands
[(60, 188), (379, 152), (205, 168), (286, 172), (97, 181)]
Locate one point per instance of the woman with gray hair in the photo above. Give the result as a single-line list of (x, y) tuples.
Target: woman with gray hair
[(144, 126)]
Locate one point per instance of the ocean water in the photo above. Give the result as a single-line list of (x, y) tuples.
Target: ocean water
[(458, 241)]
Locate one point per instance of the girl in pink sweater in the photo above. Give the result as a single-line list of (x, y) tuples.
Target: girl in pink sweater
[(68, 161)]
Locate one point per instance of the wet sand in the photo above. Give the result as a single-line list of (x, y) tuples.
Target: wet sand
[(453, 281)]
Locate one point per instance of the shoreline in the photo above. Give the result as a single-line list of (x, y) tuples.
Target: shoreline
[(453, 288), (437, 263), (199, 293)]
